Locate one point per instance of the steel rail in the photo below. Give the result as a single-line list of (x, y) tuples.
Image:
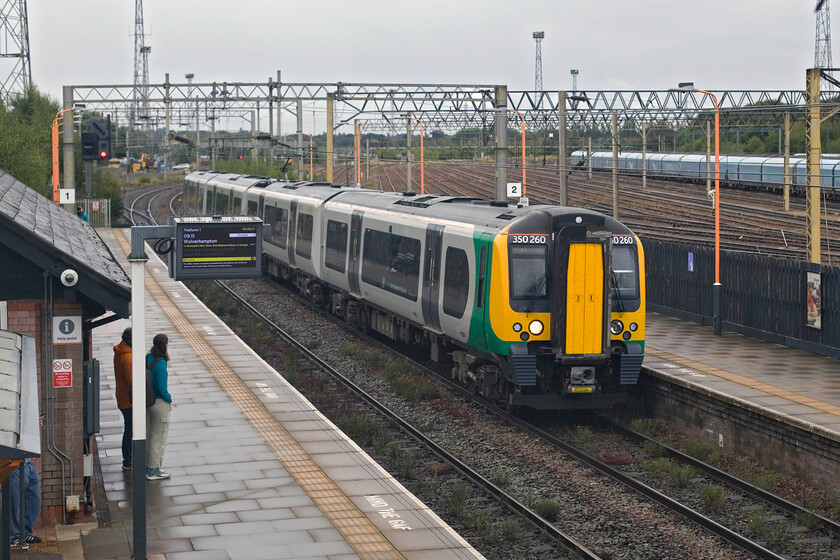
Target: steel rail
[(710, 525), (512, 503), (737, 540), (728, 479)]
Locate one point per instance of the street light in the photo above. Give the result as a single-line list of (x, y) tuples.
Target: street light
[(716, 288), (521, 116), (422, 162)]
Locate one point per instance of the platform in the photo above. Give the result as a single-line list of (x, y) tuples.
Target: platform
[(782, 383), (257, 471)]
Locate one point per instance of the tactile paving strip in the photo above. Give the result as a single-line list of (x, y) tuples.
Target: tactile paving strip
[(354, 526)]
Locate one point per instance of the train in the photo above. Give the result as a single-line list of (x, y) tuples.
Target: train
[(757, 170), (539, 307)]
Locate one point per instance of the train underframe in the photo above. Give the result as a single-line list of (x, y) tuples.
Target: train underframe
[(549, 383)]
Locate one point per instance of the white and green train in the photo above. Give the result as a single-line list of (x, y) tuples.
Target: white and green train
[(536, 306)]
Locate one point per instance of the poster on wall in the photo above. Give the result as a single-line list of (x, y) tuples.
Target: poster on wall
[(814, 301)]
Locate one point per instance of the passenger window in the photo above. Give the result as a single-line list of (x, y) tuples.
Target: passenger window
[(303, 244), (336, 247), (253, 208), (456, 282), (221, 206), (237, 205), (278, 219), (391, 262)]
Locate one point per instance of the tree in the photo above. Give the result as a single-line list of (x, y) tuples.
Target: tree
[(26, 141)]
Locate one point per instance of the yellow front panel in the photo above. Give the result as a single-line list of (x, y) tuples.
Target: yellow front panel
[(585, 299)]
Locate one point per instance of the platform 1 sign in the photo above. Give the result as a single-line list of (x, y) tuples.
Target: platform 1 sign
[(217, 247)]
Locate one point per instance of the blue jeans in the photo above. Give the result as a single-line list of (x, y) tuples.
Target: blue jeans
[(127, 434), (32, 499)]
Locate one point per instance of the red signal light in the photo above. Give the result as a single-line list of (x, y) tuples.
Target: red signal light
[(103, 154)]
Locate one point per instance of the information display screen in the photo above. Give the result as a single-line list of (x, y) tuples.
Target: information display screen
[(217, 247)]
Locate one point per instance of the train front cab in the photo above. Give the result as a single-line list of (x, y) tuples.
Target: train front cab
[(567, 310)]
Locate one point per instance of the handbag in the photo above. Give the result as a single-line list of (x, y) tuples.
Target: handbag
[(150, 387)]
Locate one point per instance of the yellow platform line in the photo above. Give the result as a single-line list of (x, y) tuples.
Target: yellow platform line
[(746, 381), (359, 532)]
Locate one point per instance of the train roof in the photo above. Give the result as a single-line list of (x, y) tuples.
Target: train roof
[(480, 213)]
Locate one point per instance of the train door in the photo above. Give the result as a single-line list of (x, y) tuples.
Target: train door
[(431, 276), (292, 232), (581, 299), (482, 287), (254, 208), (355, 253)]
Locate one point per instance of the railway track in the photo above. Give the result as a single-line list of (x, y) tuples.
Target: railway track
[(574, 548), (628, 479), (140, 210), (788, 515)]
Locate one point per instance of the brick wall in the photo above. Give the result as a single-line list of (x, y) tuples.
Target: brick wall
[(28, 317)]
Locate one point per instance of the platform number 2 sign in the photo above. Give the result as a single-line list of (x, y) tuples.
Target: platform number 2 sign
[(514, 190)]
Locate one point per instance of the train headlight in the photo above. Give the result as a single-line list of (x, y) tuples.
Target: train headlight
[(517, 327), (535, 327), (524, 336), (626, 335), (616, 326), (634, 327)]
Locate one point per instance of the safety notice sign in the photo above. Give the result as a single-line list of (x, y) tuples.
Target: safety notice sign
[(63, 372)]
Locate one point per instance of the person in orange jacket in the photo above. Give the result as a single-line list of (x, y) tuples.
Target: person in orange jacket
[(122, 372)]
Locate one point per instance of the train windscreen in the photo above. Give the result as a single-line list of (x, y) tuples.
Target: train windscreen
[(528, 271), (624, 275)]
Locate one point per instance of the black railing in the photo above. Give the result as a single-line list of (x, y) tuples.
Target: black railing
[(764, 297)]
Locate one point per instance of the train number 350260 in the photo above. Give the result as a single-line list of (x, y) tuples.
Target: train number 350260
[(528, 239)]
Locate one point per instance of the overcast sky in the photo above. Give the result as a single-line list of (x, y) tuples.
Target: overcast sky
[(615, 44)]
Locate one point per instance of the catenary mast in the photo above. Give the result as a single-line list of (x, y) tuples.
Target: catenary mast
[(822, 48), (14, 47), (140, 108)]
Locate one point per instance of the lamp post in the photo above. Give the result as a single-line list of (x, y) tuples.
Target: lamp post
[(716, 288), (311, 176), (521, 116), (422, 162)]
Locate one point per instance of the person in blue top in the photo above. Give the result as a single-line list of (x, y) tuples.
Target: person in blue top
[(157, 415), (81, 214)]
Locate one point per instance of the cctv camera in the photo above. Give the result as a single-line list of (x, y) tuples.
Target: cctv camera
[(69, 278)]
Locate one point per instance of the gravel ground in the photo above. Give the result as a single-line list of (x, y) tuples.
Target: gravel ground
[(612, 521)]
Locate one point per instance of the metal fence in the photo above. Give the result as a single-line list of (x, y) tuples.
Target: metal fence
[(764, 297), (98, 211)]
